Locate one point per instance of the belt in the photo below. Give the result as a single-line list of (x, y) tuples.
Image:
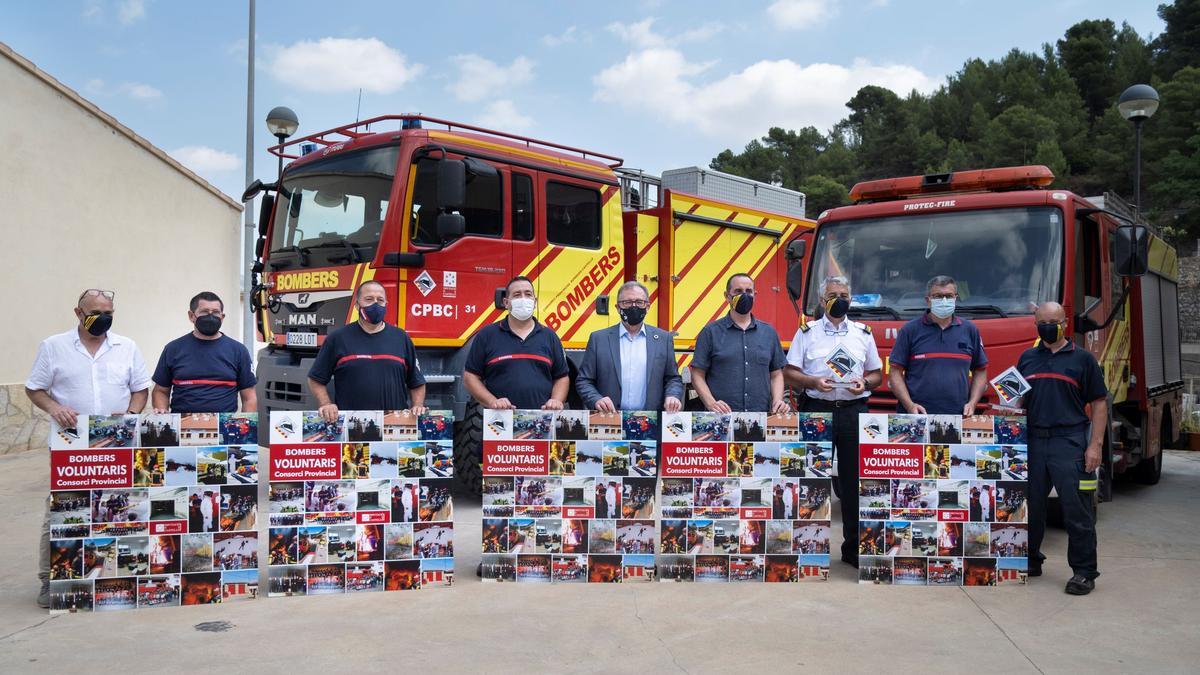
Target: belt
[(1051, 432), (823, 403)]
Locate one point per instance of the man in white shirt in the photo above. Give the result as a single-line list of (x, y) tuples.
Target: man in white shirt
[(88, 370)]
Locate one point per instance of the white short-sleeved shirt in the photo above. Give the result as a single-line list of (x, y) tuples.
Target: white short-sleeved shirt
[(91, 385), (811, 348)]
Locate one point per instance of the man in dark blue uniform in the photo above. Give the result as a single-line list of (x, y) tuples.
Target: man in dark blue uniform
[(934, 356), (205, 370), (1062, 451), (517, 363), (372, 363)]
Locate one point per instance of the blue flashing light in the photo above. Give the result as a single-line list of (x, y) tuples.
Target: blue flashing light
[(407, 124), (306, 148)]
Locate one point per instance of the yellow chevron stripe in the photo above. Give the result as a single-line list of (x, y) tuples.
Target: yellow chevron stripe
[(527, 272)]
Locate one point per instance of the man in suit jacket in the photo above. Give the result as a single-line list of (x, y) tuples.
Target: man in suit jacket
[(630, 366)]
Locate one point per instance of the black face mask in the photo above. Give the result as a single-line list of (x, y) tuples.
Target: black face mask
[(97, 324), (1050, 333), (744, 303), (632, 315), (208, 325), (837, 308)]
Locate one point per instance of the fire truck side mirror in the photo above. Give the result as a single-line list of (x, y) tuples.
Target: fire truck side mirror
[(264, 214), (795, 249), (1131, 250), (451, 226), (451, 184)]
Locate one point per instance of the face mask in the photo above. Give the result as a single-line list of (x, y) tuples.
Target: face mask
[(632, 315), (208, 324), (742, 304), (522, 308), (373, 313), (97, 324), (1050, 333), (941, 307), (837, 307)]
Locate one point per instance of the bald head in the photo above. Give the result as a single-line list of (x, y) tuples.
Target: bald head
[(1050, 312)]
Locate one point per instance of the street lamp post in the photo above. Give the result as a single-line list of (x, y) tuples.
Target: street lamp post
[(282, 123), (1138, 104)]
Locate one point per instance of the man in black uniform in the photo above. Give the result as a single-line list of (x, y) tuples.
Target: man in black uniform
[(517, 363), (1062, 453), (373, 363)]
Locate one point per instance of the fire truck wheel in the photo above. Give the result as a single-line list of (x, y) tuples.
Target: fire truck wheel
[(468, 444), (1149, 471)]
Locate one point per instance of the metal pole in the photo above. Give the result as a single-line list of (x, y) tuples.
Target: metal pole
[(1137, 169), (248, 236)]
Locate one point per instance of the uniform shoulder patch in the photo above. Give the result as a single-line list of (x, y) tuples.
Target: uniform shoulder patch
[(863, 327), (805, 327)]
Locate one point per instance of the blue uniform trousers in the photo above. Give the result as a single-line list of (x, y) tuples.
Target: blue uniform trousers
[(1056, 460)]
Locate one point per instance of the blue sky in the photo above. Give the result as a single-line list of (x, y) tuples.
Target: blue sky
[(662, 84)]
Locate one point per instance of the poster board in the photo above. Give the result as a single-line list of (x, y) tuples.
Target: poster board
[(153, 510), (943, 500), (360, 504)]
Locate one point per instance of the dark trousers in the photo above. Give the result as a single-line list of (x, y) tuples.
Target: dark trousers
[(845, 444), (1057, 461)]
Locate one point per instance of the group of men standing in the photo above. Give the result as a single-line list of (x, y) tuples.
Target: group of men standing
[(938, 366)]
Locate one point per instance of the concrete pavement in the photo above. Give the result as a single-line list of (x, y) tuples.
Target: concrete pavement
[(1144, 616)]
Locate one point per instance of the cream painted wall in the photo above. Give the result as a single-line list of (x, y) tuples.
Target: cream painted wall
[(83, 205)]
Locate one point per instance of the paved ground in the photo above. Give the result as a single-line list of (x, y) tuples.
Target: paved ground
[(1145, 615)]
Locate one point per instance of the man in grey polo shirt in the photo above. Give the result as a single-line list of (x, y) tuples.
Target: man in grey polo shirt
[(738, 362)]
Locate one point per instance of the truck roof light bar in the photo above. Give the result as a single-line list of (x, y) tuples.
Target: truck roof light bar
[(1007, 178), (350, 132)]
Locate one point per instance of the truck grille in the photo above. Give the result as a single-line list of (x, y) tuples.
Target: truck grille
[(283, 391)]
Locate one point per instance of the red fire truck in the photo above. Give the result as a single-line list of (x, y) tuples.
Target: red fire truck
[(1011, 241)]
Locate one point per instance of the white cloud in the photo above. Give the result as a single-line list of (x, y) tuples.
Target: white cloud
[(801, 14), (566, 37), (504, 116), (141, 92), (341, 64), (205, 160), (479, 78), (745, 104), (93, 10), (641, 34), (701, 32), (129, 11), (96, 87)]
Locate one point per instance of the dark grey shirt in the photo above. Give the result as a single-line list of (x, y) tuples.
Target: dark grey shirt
[(738, 363)]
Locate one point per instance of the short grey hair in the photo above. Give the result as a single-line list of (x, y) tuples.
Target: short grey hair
[(836, 280), (633, 284), (941, 280)]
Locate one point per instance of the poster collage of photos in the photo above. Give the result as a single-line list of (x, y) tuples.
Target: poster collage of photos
[(745, 497), (360, 504), (153, 510), (943, 500), (568, 496)]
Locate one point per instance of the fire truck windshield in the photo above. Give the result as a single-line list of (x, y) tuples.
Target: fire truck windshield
[(1005, 261), (331, 211)]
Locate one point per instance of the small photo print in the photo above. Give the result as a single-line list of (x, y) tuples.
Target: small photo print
[(909, 571), (410, 459), (944, 571), (324, 496), (1010, 430), (766, 460), (712, 427), (749, 427), (701, 537), (740, 460), (283, 545), (908, 429), (406, 500), (899, 538), (368, 543), (212, 465), (608, 498), (673, 536), (1010, 540), (437, 572), (574, 535), (356, 460), (495, 535), (818, 460), (287, 580), (604, 426), (814, 567), (871, 428), (643, 458), (979, 571), (779, 536), (1015, 460), (982, 496), (70, 507), (499, 496), (793, 459), (604, 569), (532, 425), (637, 498), (239, 585), (199, 429), (602, 536), (436, 425), (676, 498), (937, 461), (548, 491), (66, 559), (402, 575), (875, 569), (121, 505), (756, 492), (815, 427), (988, 462), (1012, 571), (238, 429), (782, 569), (74, 595), (384, 460), (571, 425), (286, 426), (718, 497), (637, 569), (712, 568), (677, 568), (433, 540), (810, 536), (945, 429), (436, 504), (439, 459), (497, 425), (962, 462), (159, 591), (235, 551), (398, 541), (924, 538), (949, 539), (784, 427), (589, 458), (914, 494), (200, 589), (326, 579), (148, 467), (286, 497), (635, 536), (874, 493), (954, 495), (115, 594), (401, 425), (364, 426), (640, 425), (243, 464), (978, 430), (503, 567), (747, 568), (197, 552), (1011, 502), (579, 491), (159, 430), (872, 538), (317, 430), (976, 539), (533, 568), (116, 431), (70, 438), (677, 427), (373, 495)]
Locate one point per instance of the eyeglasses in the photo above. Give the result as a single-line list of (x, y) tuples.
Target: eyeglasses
[(626, 304), (943, 296), (107, 295)]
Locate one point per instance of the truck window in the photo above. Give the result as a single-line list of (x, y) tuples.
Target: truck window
[(483, 208), (522, 207), (572, 215)]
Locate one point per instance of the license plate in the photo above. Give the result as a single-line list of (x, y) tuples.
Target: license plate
[(302, 339)]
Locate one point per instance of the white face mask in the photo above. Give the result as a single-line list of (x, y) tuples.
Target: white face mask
[(522, 308)]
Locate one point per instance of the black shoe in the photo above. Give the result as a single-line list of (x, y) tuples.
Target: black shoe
[(1080, 585), (1035, 569), (479, 571), (851, 561)]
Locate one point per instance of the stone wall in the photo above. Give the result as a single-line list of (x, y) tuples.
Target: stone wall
[(1189, 298), (19, 431)]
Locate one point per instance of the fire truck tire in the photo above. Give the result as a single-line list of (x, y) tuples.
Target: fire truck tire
[(1149, 471), (468, 444)]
